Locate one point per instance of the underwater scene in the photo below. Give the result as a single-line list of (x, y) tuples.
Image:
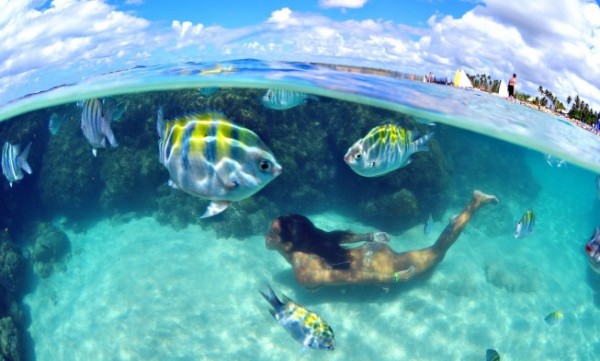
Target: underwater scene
[(342, 217)]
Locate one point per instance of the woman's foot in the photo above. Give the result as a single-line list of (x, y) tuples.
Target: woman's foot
[(480, 199)]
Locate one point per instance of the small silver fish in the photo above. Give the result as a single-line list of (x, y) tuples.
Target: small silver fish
[(95, 124), (209, 157), (14, 162), (304, 326), (55, 123), (280, 99), (384, 149), (525, 225), (428, 224)]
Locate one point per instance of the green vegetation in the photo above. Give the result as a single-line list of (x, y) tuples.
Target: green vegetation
[(579, 109)]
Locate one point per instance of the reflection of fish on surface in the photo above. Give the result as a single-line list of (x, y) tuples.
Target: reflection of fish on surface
[(304, 326), (280, 99), (554, 318), (384, 149), (555, 161), (525, 225), (492, 355), (592, 249), (95, 124), (14, 162), (209, 157), (217, 70)]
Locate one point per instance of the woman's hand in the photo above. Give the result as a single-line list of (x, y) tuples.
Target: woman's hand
[(381, 237)]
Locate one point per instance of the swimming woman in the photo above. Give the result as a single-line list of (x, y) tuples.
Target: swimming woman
[(318, 257)]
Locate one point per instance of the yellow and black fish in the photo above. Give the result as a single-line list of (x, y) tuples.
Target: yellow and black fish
[(525, 225), (209, 157), (305, 326), (384, 149)]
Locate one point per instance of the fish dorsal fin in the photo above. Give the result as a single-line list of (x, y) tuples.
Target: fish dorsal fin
[(215, 208)]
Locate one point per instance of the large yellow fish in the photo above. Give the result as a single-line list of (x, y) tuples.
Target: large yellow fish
[(209, 157)]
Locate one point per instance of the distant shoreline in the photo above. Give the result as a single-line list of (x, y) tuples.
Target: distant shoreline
[(422, 78)]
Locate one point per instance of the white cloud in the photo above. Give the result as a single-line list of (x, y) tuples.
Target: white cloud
[(65, 32), (554, 44), (342, 3)]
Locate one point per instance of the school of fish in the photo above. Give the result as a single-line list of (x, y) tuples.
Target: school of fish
[(212, 158)]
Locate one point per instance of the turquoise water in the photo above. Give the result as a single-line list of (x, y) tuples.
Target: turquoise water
[(144, 278)]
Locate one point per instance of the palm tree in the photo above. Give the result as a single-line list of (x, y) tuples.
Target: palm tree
[(569, 99)]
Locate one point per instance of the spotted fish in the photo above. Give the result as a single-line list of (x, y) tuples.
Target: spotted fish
[(95, 124), (384, 149), (303, 325), (209, 157), (525, 225), (14, 162)]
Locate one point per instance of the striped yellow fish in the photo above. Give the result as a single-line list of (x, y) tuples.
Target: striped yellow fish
[(304, 326), (384, 149), (209, 157)]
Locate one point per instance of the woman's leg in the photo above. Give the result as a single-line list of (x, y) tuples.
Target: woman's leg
[(423, 260)]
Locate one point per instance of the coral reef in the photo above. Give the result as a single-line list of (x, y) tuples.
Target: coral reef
[(11, 269), (51, 246), (10, 347)]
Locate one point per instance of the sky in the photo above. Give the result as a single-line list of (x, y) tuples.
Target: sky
[(552, 43)]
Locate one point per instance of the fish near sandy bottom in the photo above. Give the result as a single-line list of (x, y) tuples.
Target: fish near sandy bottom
[(525, 225), (209, 157), (14, 162), (384, 149), (95, 124), (303, 325)]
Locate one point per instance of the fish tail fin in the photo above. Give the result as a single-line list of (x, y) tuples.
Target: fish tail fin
[(271, 297), (109, 134), (420, 145), (23, 159), (215, 208)]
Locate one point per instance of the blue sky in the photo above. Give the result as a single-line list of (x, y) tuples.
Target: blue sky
[(553, 43), (235, 13)]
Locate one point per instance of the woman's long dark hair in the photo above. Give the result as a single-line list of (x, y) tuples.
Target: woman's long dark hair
[(306, 237)]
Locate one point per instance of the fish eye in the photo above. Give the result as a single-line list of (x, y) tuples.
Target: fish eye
[(358, 156), (373, 164), (265, 165)]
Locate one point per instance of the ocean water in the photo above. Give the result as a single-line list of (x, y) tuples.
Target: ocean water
[(143, 278)]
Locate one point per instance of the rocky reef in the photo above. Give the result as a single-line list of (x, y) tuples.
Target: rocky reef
[(50, 249)]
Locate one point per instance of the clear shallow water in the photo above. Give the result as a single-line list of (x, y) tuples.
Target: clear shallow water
[(139, 286)]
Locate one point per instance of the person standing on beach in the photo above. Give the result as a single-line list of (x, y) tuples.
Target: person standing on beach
[(511, 86)]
